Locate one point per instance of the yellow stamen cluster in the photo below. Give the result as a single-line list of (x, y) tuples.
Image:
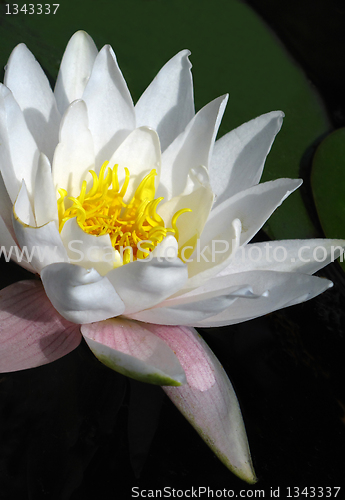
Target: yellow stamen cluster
[(102, 210)]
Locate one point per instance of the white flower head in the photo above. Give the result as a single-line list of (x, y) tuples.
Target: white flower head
[(138, 222)]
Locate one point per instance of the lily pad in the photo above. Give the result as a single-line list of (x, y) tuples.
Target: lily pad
[(328, 184), (232, 51)]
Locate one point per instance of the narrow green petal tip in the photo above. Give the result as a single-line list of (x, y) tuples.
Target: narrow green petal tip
[(149, 377)]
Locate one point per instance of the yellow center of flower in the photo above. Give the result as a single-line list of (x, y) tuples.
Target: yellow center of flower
[(102, 211)]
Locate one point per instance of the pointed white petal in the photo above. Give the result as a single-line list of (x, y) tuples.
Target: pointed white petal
[(282, 290), (131, 349), (249, 295), (302, 256), (75, 69), (31, 89), (109, 104), (252, 207), (191, 148), (45, 205), (140, 153), (15, 136), (10, 181), (167, 105), (190, 308), (145, 283), (208, 400), (22, 209), (239, 156), (74, 155), (80, 295)]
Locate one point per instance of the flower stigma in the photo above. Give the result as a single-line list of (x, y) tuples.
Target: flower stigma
[(102, 211)]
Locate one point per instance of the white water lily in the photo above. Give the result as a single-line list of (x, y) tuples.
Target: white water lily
[(138, 224)]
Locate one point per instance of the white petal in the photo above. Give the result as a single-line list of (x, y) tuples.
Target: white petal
[(109, 104), (166, 249), (15, 135), (88, 250), (208, 400), (6, 208), (167, 105), (140, 153), (80, 295), (191, 148), (145, 283), (252, 207), (74, 155), (11, 183), (22, 208), (188, 314), (75, 69), (131, 349), (41, 245), (284, 289), (303, 256), (194, 306), (45, 205), (238, 157), (31, 89), (189, 224), (9, 246), (209, 259)]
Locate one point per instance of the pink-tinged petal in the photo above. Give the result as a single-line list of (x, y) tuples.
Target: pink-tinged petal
[(130, 348), (80, 295), (167, 105), (32, 332), (208, 400)]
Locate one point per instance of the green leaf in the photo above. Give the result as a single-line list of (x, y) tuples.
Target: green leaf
[(328, 184), (232, 51)]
